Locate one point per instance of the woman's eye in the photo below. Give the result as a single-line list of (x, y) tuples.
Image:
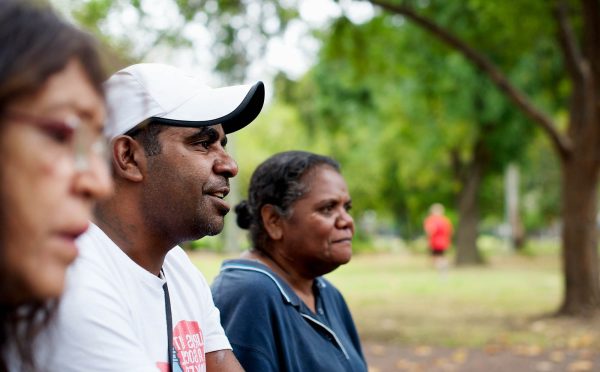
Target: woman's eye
[(59, 132), (327, 209)]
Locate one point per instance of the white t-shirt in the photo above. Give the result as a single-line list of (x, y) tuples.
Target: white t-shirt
[(112, 315)]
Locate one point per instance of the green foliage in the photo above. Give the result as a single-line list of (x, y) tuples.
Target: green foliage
[(91, 12), (232, 24), (540, 186), (398, 109), (395, 107)]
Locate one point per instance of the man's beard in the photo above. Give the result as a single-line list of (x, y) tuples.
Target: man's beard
[(212, 228), (209, 225)]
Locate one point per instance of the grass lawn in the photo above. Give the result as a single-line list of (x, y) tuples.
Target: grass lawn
[(398, 298)]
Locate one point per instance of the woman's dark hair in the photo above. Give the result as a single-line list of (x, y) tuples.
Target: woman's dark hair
[(279, 181), (34, 45)]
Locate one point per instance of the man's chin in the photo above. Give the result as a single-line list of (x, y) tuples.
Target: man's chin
[(213, 228)]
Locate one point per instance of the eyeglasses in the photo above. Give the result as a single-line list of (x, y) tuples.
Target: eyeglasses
[(81, 138)]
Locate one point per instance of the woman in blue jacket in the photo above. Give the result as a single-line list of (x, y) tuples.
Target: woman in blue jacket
[(278, 311)]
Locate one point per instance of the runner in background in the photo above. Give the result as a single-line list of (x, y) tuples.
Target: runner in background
[(439, 235)]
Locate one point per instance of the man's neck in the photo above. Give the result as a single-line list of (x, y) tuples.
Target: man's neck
[(132, 236)]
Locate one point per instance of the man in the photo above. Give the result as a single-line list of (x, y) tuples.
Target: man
[(133, 302), (439, 233)]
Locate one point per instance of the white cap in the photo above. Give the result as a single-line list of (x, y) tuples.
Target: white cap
[(172, 97)]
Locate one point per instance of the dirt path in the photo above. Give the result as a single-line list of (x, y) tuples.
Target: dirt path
[(384, 358)]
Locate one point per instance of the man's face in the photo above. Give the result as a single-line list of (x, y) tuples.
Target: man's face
[(186, 183)]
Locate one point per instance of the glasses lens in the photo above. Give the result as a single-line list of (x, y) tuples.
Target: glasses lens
[(88, 143)]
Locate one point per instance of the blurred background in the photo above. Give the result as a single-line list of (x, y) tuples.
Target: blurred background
[(491, 108)]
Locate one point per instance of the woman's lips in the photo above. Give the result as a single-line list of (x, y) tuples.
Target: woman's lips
[(67, 238), (75, 231), (343, 240)]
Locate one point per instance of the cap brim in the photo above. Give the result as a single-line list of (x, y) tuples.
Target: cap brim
[(232, 107)]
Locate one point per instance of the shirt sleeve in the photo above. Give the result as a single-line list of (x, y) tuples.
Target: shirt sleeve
[(254, 359)]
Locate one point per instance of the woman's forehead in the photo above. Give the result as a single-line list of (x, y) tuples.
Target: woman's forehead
[(325, 180), (320, 173)]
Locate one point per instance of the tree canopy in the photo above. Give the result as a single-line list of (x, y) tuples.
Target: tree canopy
[(428, 101)]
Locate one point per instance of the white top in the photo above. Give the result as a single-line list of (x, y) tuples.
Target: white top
[(112, 315)]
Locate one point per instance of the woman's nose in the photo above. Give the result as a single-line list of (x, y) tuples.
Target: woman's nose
[(345, 220), (95, 182)]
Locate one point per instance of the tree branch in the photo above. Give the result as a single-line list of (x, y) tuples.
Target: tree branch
[(571, 53), (590, 10), (458, 166), (560, 141)]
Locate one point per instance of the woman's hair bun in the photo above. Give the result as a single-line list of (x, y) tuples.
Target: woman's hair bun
[(244, 216)]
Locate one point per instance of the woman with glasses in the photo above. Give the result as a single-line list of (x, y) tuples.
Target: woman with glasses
[(52, 168)]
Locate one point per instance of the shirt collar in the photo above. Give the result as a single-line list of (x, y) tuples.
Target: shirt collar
[(287, 293)]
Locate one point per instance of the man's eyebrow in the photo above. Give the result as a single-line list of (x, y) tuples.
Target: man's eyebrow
[(205, 133), (208, 134)]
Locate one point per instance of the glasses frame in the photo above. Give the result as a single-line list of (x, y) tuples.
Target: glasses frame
[(85, 141)]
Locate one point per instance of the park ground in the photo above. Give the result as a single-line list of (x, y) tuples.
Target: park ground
[(497, 317)]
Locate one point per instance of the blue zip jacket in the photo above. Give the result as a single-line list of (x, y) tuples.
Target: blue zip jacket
[(271, 329)]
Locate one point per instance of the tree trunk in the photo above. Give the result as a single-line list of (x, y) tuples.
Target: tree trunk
[(579, 203), (471, 176), (467, 252), (579, 236)]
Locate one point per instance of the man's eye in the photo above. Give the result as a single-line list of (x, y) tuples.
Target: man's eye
[(205, 144)]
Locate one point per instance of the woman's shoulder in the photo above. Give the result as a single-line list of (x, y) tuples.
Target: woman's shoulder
[(246, 277)]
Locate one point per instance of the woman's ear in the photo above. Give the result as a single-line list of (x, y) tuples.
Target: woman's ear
[(129, 158), (272, 221)]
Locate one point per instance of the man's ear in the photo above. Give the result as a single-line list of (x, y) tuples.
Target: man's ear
[(272, 221), (129, 158)]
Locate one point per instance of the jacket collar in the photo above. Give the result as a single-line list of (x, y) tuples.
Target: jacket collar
[(287, 293)]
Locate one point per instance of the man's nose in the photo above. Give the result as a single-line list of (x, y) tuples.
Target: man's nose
[(225, 165)]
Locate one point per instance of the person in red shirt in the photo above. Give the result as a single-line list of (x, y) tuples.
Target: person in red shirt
[(439, 233)]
